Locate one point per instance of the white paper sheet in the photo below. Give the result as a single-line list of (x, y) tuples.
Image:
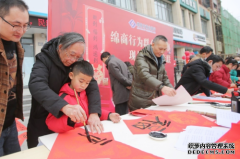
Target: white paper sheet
[(225, 118), (181, 97), (197, 134)]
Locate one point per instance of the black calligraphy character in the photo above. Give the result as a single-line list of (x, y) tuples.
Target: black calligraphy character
[(95, 23), (94, 17), (95, 60), (95, 31), (95, 54), (95, 47), (106, 142), (94, 38), (142, 125)]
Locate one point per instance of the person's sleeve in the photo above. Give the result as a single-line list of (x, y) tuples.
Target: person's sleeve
[(207, 92), (38, 86), (116, 73), (130, 76), (218, 78), (58, 125), (199, 76), (165, 79), (233, 75), (94, 100), (142, 72), (105, 114)]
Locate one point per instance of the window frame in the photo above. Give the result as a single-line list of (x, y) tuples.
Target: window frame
[(204, 23), (163, 10)]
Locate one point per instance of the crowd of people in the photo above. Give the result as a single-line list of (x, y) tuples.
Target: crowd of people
[(64, 93)]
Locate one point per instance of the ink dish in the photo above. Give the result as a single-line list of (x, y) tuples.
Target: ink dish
[(156, 135)]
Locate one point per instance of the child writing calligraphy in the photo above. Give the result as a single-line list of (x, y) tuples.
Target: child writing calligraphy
[(81, 75)]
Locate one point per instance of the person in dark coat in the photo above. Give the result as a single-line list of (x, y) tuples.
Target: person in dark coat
[(49, 74), (196, 75), (121, 81), (204, 53), (130, 67), (150, 78)]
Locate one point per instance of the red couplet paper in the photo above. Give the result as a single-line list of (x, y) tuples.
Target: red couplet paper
[(178, 121), (232, 136), (20, 126), (74, 145), (22, 137), (143, 112)]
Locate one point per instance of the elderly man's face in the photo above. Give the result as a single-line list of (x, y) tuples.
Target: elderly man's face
[(71, 54), (159, 48)]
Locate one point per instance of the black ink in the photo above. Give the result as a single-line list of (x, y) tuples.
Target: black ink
[(106, 142), (162, 130), (168, 123), (141, 125)]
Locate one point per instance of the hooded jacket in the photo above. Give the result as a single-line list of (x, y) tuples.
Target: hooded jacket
[(196, 76), (60, 125), (47, 77), (148, 80), (221, 76)]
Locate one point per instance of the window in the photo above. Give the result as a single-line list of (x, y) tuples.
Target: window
[(163, 11), (204, 27), (191, 20), (127, 4), (183, 18)]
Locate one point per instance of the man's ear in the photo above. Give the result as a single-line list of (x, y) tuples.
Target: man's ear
[(210, 61), (71, 75)]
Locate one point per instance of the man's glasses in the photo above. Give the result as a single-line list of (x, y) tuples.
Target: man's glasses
[(18, 27)]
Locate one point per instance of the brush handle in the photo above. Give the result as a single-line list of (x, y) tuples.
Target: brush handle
[(78, 102), (211, 115)]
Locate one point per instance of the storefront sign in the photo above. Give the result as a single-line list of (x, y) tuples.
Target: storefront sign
[(187, 45), (184, 35), (190, 5), (38, 22)]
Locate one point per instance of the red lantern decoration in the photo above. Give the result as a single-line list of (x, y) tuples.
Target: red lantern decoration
[(187, 53), (184, 57), (187, 57)]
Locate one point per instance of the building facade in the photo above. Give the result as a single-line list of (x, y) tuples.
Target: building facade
[(36, 36)]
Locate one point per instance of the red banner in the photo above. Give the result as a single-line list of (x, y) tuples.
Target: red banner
[(107, 28)]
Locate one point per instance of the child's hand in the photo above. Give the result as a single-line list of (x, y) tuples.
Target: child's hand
[(115, 117)]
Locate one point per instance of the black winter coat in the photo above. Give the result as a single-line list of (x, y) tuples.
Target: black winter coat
[(196, 76), (47, 77)]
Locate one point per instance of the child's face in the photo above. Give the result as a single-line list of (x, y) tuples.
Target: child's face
[(80, 81)]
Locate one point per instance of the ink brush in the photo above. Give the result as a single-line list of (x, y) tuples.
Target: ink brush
[(86, 130)]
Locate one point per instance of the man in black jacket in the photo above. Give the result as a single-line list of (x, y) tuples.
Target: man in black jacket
[(198, 71), (121, 81), (204, 53), (49, 74)]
